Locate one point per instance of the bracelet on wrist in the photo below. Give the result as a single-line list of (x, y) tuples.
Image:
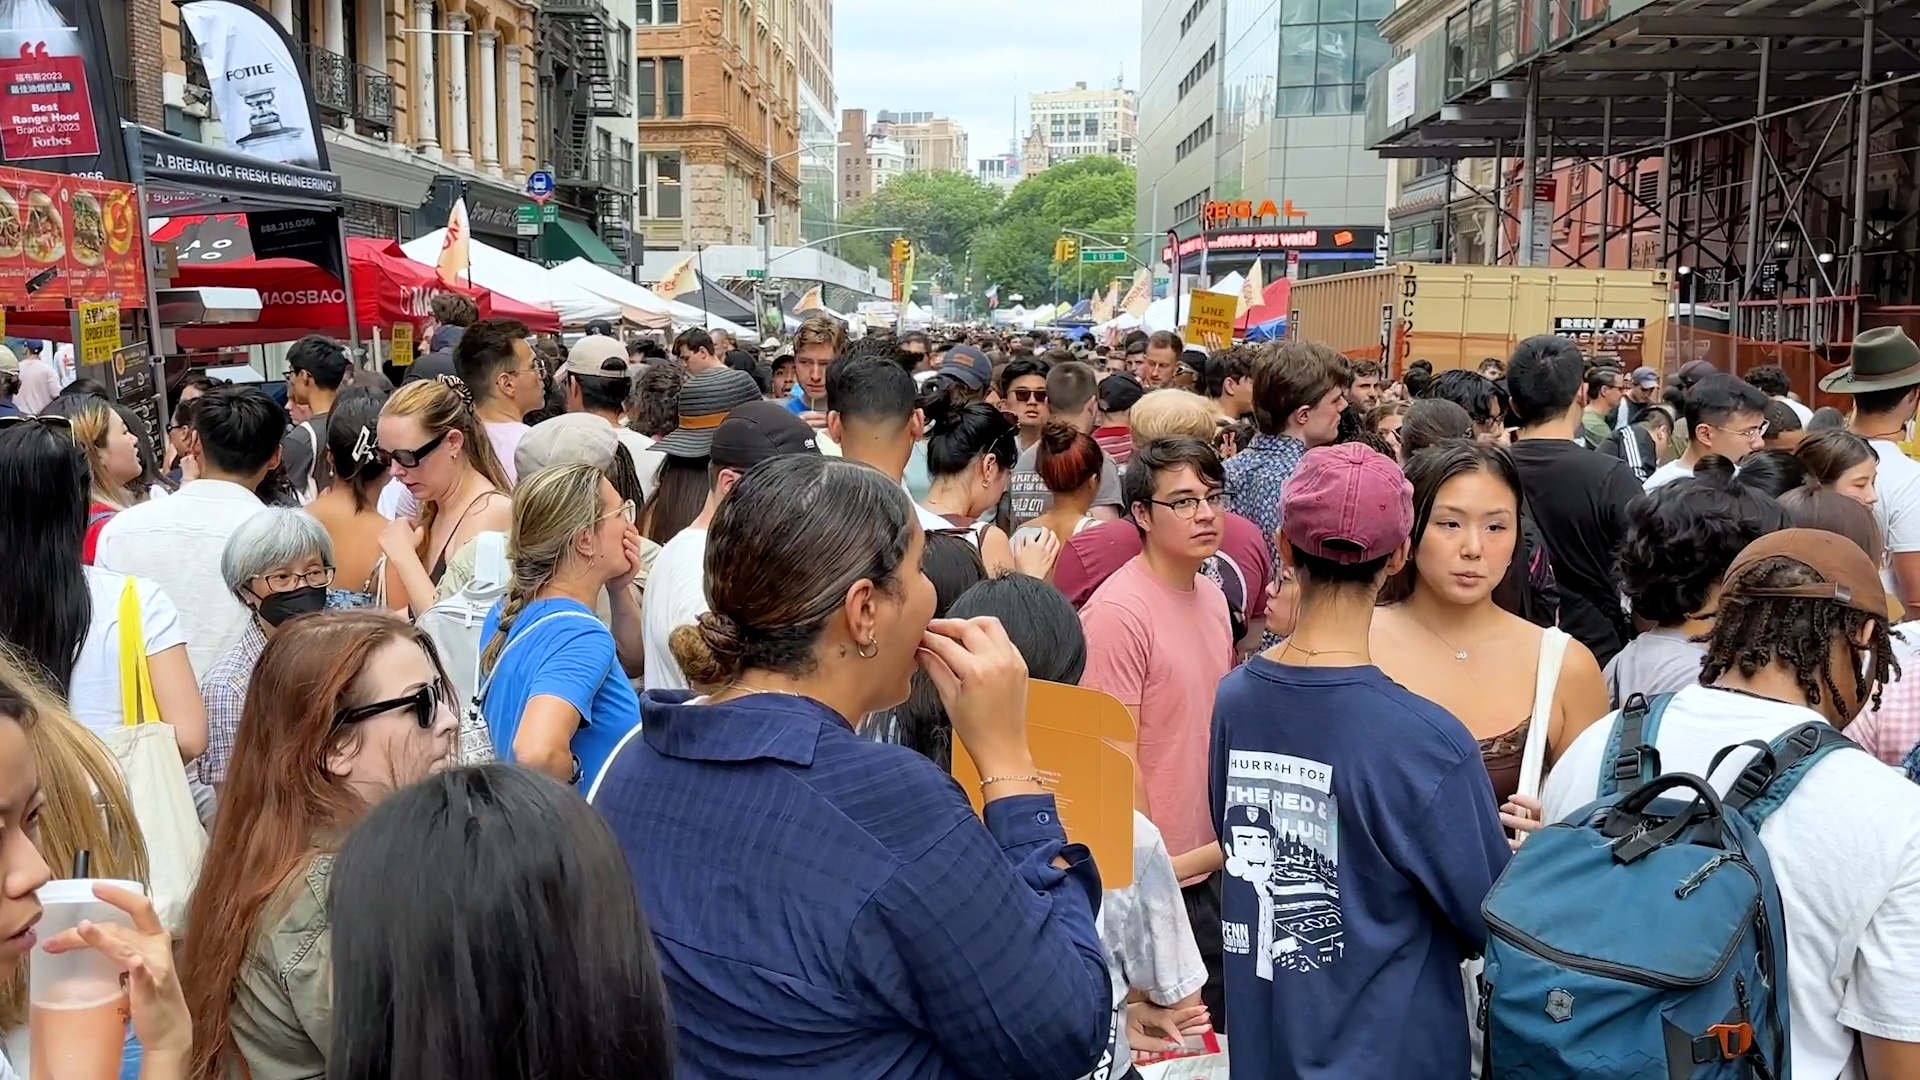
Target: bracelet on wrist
[(1040, 780)]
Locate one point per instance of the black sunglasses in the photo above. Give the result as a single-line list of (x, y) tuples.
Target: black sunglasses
[(425, 703), (411, 459)]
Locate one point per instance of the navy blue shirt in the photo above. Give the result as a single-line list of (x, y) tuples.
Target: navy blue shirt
[(828, 906), (1360, 836)]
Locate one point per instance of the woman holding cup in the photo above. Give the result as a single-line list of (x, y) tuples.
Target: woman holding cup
[(100, 955)]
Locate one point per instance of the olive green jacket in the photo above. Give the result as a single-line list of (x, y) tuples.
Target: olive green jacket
[(283, 1005)]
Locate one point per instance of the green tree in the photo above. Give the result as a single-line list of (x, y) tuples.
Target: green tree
[(939, 211), (1092, 195)]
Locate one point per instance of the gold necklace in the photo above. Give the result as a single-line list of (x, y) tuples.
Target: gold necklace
[(737, 685), (1311, 653)]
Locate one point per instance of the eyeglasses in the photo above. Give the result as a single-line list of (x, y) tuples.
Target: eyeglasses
[(287, 580), (1030, 397), (1189, 506), (411, 459), (60, 422), (425, 703), (626, 510), (1758, 431)]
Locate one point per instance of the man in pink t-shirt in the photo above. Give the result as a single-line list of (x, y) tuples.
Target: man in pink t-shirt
[(1160, 640)]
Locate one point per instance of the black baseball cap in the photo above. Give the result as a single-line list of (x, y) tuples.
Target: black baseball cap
[(1119, 391), (757, 431)]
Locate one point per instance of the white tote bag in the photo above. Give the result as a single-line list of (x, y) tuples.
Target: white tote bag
[(149, 757), (1533, 760)]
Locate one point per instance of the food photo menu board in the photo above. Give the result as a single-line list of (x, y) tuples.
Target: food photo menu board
[(68, 238)]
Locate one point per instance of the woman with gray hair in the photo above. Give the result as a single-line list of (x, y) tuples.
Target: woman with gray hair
[(278, 563)]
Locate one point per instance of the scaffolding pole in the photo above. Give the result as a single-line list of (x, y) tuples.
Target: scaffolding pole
[(1606, 167), (1758, 150), (1862, 153), (1530, 163), (1666, 178), (1499, 197)]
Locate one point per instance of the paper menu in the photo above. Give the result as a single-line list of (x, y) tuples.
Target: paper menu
[(1076, 736)]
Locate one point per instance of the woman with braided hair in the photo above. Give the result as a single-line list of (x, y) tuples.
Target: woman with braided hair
[(433, 444), (553, 692), (1801, 640)]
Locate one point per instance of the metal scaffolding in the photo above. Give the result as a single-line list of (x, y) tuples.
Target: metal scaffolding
[(1766, 151)]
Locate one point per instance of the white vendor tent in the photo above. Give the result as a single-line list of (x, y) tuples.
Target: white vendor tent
[(642, 301), (512, 276)]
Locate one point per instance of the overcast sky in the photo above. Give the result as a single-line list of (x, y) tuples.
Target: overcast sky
[(974, 60)]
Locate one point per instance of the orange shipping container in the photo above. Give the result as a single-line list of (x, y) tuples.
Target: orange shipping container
[(1456, 316)]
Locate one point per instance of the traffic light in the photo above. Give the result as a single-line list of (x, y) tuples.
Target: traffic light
[(902, 249), (1066, 249)]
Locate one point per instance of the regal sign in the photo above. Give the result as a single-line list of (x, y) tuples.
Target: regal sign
[(1245, 211)]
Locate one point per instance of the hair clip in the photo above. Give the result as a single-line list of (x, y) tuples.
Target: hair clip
[(459, 386), (363, 446)]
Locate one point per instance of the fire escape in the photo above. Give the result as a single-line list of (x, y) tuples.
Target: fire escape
[(578, 83)]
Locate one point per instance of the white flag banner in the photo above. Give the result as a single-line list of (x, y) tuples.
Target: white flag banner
[(259, 90)]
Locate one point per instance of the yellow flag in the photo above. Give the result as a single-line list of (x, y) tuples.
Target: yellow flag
[(1140, 295), (1098, 308), (810, 301), (680, 279), (1252, 291), (455, 260)]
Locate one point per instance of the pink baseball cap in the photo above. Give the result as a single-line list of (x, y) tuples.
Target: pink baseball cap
[(1347, 504)]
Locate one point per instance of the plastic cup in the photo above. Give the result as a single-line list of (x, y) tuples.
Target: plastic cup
[(78, 1012)]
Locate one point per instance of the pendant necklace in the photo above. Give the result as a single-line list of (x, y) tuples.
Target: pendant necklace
[(1458, 654)]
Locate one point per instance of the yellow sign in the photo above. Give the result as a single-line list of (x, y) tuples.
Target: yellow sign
[(1076, 737), (1210, 319), (401, 345), (99, 331)]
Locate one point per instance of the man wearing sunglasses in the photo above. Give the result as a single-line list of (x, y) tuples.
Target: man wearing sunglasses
[(1072, 390), (1023, 396)]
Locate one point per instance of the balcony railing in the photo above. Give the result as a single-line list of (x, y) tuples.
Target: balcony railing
[(372, 97), (346, 91), (332, 77), (602, 169)]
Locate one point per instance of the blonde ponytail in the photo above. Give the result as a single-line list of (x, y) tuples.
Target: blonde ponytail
[(550, 508)]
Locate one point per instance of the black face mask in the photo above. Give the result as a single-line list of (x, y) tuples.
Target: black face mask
[(281, 606)]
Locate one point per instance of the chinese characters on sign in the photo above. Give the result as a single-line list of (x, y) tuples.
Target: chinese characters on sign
[(68, 238)]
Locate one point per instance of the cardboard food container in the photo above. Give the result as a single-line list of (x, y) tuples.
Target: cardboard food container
[(1076, 736)]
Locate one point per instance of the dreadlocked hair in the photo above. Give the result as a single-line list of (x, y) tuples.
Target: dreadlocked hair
[(1751, 632)]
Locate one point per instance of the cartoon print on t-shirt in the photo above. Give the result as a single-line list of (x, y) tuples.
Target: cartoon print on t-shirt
[(1282, 841)]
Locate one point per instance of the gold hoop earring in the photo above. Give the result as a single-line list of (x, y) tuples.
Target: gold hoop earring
[(873, 643)]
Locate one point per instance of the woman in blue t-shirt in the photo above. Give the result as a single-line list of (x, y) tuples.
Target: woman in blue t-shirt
[(555, 697)]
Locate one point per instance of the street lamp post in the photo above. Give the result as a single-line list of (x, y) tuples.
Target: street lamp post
[(766, 208)]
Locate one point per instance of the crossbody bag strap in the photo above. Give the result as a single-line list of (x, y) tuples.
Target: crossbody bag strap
[(1533, 760), (515, 638)]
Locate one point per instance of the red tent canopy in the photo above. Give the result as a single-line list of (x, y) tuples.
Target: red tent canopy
[(298, 298), (1272, 305)]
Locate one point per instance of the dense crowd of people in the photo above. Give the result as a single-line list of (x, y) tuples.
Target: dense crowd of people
[(590, 711)]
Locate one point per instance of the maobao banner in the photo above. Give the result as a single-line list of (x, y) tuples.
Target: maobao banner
[(57, 110), (68, 238)]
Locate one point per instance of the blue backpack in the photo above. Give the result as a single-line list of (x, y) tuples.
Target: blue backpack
[(1643, 937)]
